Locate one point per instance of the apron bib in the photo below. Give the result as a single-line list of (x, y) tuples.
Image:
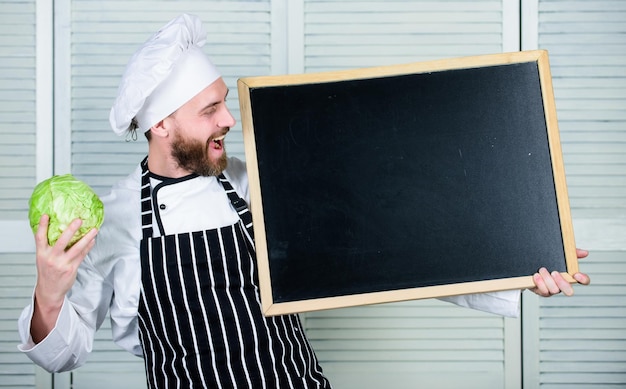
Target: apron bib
[(200, 318)]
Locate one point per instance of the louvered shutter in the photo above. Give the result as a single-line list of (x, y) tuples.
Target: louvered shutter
[(581, 341), (18, 176), (17, 107), (16, 286), (427, 344), (352, 34)]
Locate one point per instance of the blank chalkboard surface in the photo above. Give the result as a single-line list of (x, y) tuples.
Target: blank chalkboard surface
[(405, 182)]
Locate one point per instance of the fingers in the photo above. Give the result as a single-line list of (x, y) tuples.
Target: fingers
[(59, 255), (547, 284), (82, 247), (582, 278), (68, 233), (41, 236), (580, 253), (562, 283)]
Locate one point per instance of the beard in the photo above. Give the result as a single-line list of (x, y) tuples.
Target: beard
[(193, 156)]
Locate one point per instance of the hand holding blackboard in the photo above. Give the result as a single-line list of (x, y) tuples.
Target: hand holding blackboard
[(404, 182), (550, 283)]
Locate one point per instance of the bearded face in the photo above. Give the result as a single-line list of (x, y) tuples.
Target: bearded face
[(203, 158)]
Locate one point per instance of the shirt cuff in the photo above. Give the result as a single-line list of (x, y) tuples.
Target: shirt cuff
[(53, 353), (504, 303)]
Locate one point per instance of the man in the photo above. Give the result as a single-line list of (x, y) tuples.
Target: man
[(174, 261)]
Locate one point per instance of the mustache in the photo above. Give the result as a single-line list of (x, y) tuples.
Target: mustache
[(219, 134)]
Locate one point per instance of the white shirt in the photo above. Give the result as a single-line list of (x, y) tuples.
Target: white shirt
[(109, 278)]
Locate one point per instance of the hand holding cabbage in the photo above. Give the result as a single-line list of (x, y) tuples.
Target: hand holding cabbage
[(64, 198)]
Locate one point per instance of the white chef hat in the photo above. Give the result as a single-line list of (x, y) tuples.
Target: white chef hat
[(166, 72)]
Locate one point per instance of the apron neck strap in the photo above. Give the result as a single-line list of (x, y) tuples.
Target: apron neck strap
[(146, 200), (238, 203)]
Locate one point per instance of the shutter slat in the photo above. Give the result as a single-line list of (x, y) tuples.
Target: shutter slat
[(17, 106), (17, 279)]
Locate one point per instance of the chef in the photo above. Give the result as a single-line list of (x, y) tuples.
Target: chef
[(174, 262)]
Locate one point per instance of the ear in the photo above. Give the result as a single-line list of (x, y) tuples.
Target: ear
[(160, 129)]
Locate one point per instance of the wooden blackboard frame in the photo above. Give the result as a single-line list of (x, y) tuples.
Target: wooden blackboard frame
[(248, 86)]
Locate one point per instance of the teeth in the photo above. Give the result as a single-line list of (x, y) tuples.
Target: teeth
[(218, 141)]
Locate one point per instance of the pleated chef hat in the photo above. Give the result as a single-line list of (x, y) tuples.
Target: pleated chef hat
[(166, 72)]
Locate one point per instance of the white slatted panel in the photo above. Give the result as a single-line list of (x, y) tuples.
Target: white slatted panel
[(352, 34), (583, 339), (109, 367), (587, 46), (104, 36), (17, 177), (426, 344), (17, 107), (16, 285)]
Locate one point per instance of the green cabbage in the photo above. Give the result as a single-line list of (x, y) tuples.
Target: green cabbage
[(65, 198)]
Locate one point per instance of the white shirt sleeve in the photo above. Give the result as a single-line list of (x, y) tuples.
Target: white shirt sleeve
[(70, 342), (116, 252), (505, 303), (61, 349)]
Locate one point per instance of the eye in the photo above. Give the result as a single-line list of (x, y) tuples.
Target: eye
[(210, 110)]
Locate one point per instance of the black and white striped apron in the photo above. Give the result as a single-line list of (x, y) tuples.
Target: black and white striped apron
[(200, 319)]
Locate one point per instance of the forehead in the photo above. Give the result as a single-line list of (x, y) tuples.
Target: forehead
[(213, 94)]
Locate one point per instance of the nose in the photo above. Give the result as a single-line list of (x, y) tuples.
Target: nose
[(227, 119)]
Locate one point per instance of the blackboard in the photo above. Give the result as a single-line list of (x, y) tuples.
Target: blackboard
[(404, 182)]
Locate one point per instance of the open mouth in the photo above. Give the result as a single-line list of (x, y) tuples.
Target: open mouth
[(218, 143)]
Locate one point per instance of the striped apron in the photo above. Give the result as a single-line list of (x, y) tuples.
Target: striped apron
[(200, 318)]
